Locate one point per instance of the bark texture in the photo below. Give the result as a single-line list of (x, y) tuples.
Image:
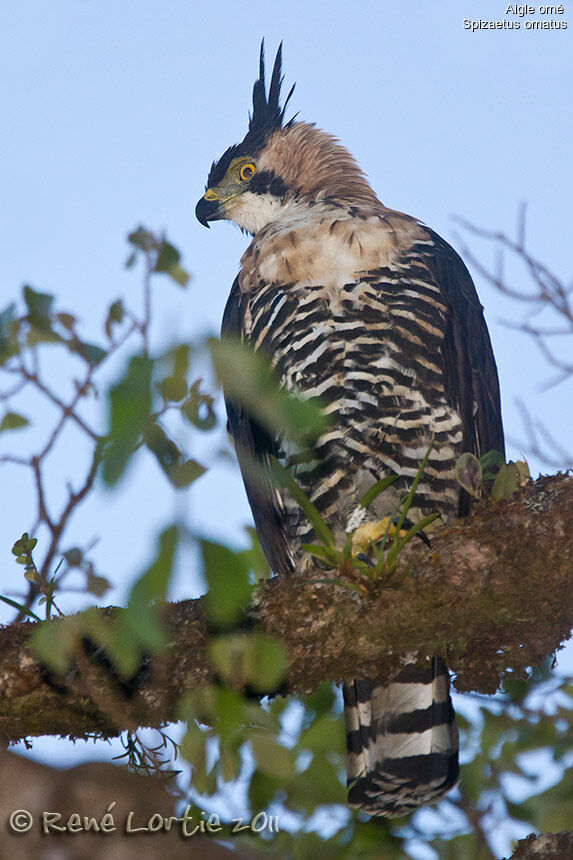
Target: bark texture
[(546, 846)]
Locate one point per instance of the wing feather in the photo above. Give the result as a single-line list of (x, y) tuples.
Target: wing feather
[(254, 448), (470, 371)]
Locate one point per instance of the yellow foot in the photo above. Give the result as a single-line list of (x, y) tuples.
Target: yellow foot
[(368, 535)]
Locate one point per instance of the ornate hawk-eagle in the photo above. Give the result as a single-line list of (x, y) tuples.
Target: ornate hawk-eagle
[(373, 313)]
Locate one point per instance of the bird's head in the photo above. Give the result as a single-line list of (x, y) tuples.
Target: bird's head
[(279, 167)]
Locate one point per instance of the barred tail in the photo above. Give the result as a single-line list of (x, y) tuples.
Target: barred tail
[(402, 741)]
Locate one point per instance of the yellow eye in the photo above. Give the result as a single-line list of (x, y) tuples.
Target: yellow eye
[(247, 171)]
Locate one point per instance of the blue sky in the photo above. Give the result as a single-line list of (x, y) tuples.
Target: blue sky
[(113, 112)]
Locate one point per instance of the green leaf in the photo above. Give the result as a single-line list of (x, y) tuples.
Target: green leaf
[(198, 408), (173, 388), (7, 317), (523, 470), (230, 764), (324, 735), (39, 306), (332, 556), (322, 700), (74, 556), (492, 460), (184, 474), (251, 660), (97, 585), (152, 585), (200, 704), (54, 641), (43, 333), (231, 715), (23, 544), (68, 321), (254, 556), (271, 757), (262, 789), (469, 473), (39, 316), (320, 780), (194, 750), (551, 810), (90, 352), (409, 498), (142, 239), (168, 258), (8, 333), (375, 490), (464, 845), (181, 473), (285, 479), (267, 662), (419, 526), (115, 316), (516, 688), (228, 656), (139, 629), (13, 421), (180, 359), (248, 378), (129, 411), (227, 576), (509, 479), (166, 451), (20, 607)]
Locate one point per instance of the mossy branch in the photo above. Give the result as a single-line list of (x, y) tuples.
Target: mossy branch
[(494, 594)]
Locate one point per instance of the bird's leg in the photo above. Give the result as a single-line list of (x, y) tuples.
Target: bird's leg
[(366, 537)]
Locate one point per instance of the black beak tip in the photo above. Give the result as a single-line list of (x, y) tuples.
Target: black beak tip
[(202, 212)]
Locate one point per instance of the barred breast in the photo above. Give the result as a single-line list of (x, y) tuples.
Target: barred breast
[(366, 340)]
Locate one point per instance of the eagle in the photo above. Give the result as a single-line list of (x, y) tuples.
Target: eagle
[(375, 315)]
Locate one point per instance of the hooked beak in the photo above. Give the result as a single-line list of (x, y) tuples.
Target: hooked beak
[(209, 208)]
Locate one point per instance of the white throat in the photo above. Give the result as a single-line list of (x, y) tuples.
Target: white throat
[(252, 211)]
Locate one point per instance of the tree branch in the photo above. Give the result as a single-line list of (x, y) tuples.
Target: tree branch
[(546, 846), (493, 595)]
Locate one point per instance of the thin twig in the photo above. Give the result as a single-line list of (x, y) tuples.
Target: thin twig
[(68, 410)]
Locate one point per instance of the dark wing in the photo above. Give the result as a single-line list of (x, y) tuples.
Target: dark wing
[(470, 371), (254, 448)]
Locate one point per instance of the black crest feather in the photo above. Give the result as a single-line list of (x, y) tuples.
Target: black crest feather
[(267, 117)]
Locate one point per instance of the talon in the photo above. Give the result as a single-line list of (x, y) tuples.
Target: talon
[(366, 536), (407, 524)]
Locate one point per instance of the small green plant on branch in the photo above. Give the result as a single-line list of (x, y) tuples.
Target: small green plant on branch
[(490, 476), (392, 533)]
